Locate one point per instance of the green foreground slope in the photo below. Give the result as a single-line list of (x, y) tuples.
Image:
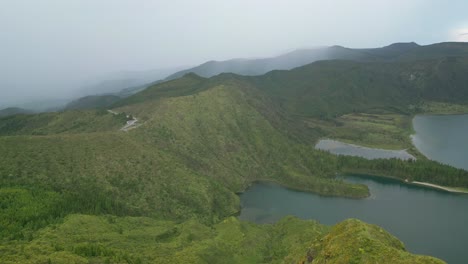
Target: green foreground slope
[(110, 239)]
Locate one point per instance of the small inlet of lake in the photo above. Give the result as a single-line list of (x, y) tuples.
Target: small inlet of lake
[(340, 148), (428, 221)]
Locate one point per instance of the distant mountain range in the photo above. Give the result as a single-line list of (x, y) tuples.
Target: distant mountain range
[(127, 83), (393, 76), (250, 67), (297, 58)]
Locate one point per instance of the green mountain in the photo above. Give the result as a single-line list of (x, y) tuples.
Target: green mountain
[(76, 188), (332, 88)]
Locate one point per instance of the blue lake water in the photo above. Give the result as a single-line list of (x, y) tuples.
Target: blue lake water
[(443, 138), (428, 221)]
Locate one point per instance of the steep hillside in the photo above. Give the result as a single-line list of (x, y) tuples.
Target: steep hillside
[(218, 132), (333, 88)]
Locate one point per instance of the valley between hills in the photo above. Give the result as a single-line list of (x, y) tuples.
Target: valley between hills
[(75, 188)]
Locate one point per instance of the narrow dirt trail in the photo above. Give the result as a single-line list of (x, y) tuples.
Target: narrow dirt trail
[(131, 124)]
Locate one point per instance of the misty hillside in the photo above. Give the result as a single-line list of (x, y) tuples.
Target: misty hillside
[(114, 83), (14, 111), (93, 101), (397, 51), (261, 66)]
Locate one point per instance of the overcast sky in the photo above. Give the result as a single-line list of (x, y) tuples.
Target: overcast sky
[(50, 47)]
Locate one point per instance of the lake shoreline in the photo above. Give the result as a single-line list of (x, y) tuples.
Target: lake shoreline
[(302, 189), (439, 187), (356, 173)]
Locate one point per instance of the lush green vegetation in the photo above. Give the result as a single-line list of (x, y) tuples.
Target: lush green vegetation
[(422, 170), (111, 173), (354, 242), (111, 239), (328, 89), (76, 189), (61, 123)]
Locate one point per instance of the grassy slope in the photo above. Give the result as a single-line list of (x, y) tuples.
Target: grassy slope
[(218, 133), (110, 239)]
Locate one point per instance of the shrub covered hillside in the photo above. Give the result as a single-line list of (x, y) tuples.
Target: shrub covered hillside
[(74, 188), (110, 239), (329, 89)]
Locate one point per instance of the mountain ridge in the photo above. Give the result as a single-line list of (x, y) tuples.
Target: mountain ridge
[(300, 57)]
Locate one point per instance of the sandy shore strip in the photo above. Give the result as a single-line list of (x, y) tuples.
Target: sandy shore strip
[(448, 189)]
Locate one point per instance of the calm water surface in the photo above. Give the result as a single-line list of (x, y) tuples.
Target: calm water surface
[(428, 221), (443, 138)]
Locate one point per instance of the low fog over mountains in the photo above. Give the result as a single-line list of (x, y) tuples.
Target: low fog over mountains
[(107, 89)]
